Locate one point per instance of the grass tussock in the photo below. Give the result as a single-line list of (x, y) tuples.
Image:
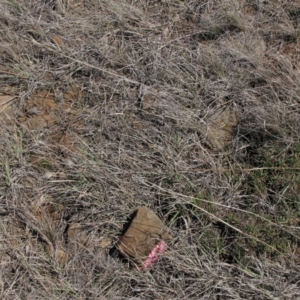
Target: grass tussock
[(190, 108)]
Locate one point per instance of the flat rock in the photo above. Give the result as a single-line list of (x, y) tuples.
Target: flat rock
[(6, 110), (61, 256), (77, 235), (144, 232), (220, 127)]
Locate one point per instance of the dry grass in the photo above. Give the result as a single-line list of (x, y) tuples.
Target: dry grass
[(191, 108)]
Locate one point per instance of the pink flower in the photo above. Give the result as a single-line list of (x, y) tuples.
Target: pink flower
[(153, 256)]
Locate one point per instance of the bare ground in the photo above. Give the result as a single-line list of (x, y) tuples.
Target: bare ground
[(191, 108)]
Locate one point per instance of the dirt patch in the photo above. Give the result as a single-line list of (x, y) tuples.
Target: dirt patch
[(43, 111), (58, 41)]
